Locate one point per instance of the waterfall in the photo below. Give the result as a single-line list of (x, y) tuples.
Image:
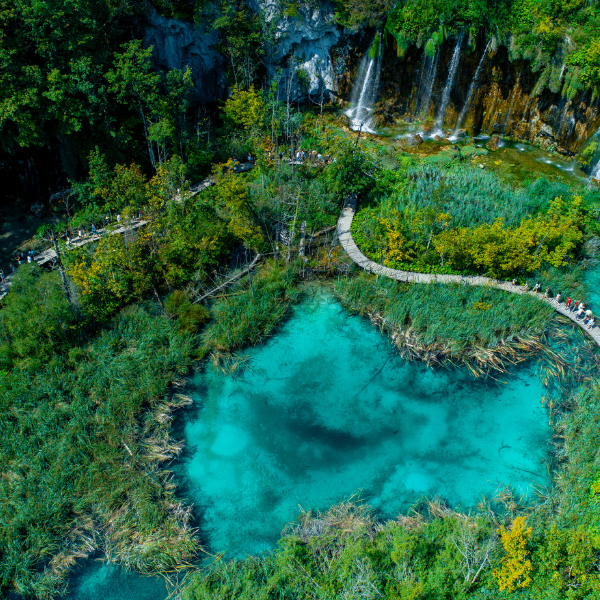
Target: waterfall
[(423, 70), (559, 127), (472, 88), (449, 82), (512, 103), (365, 91), (429, 72)]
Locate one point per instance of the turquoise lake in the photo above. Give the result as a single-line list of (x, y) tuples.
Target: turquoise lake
[(325, 409)]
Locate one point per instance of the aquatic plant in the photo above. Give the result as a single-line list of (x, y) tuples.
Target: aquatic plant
[(440, 323), (248, 315), (85, 432)]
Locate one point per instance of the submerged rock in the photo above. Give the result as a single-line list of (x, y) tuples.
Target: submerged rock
[(493, 143), (413, 141)]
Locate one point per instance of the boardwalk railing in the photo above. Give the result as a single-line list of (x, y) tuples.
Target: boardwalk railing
[(349, 245), (49, 255)]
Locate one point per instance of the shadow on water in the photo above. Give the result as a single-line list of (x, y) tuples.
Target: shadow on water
[(327, 409)]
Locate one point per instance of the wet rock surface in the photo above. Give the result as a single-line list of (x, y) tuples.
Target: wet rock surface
[(493, 143)]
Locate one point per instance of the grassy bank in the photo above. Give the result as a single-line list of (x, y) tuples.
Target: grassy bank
[(438, 323), (84, 437)]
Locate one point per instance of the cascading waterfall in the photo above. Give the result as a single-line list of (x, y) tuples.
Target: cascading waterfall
[(472, 88), (423, 70), (512, 103), (449, 82), (595, 171), (559, 127), (429, 70), (365, 91)]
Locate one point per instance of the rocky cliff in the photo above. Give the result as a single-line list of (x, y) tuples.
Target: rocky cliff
[(304, 42), (178, 44), (506, 98), (317, 58)]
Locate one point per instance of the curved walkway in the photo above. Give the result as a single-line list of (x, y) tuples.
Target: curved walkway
[(349, 245)]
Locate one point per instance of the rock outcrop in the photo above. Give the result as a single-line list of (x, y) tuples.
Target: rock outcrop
[(177, 44), (317, 58), (304, 42)]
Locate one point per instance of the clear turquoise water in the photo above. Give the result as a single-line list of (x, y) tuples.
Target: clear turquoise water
[(326, 409), (95, 580), (592, 285)]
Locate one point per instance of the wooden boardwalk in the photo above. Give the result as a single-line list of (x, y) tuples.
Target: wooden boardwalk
[(349, 245), (49, 256)]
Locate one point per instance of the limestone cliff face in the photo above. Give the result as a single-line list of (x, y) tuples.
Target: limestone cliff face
[(505, 99), (306, 41), (325, 57), (178, 44)]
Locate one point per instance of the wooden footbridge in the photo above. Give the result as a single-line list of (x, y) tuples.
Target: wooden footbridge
[(48, 257), (349, 245)]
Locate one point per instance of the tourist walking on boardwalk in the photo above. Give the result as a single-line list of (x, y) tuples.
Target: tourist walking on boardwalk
[(591, 323), (568, 305), (537, 287), (574, 307), (119, 218), (547, 293), (514, 281), (558, 297), (526, 286), (579, 313), (2, 277)]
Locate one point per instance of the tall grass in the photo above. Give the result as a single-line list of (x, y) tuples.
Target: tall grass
[(473, 196), (82, 443), (251, 312), (458, 322)]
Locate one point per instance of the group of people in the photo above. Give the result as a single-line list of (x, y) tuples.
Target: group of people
[(302, 156), (20, 258), (576, 306), (580, 312), (82, 232)]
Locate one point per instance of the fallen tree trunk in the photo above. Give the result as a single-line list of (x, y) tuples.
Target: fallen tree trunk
[(230, 281)]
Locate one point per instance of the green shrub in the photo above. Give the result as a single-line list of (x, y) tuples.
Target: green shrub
[(190, 317)]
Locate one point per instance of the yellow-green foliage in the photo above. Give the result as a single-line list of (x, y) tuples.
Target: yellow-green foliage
[(567, 559), (515, 569), (233, 193), (245, 109), (501, 251)]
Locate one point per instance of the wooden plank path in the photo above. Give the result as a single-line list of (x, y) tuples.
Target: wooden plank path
[(49, 255), (349, 245)]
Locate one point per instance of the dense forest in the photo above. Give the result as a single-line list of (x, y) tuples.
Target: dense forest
[(95, 351)]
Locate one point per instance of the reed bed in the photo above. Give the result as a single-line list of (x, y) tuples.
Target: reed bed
[(472, 196), (485, 329), (252, 314), (81, 453)]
